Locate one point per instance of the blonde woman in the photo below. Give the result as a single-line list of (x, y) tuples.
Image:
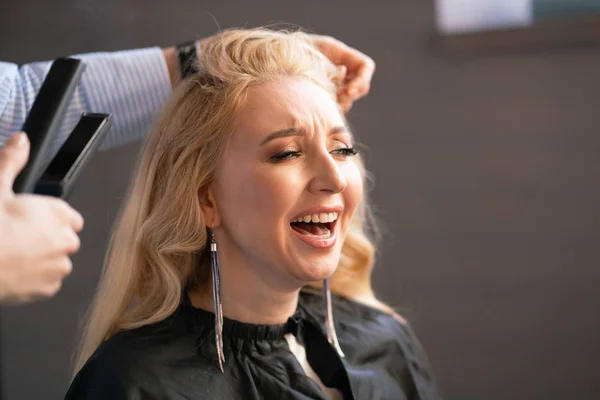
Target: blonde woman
[(240, 267)]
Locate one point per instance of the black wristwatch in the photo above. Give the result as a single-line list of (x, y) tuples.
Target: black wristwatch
[(188, 58)]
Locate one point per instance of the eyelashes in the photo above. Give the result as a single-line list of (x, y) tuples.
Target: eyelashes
[(346, 151), (285, 155), (290, 155)]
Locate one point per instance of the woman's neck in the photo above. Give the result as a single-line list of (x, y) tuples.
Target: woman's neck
[(247, 296)]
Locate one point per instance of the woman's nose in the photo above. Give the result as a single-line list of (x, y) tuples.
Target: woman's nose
[(327, 176)]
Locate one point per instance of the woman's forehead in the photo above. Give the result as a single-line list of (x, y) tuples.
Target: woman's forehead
[(289, 103)]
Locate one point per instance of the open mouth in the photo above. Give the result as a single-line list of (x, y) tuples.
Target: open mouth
[(316, 225)]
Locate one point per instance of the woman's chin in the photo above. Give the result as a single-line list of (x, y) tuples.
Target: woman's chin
[(316, 271)]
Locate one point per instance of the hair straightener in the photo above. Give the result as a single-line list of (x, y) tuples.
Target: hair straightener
[(42, 126), (59, 178)]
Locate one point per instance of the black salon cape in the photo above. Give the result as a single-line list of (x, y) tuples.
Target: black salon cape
[(176, 358)]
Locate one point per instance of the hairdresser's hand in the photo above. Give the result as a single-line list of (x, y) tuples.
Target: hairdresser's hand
[(356, 69), (37, 233)]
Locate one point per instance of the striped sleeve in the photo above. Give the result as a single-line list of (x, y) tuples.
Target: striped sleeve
[(131, 85)]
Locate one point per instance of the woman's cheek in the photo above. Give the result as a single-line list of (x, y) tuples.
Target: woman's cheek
[(270, 192), (355, 187)]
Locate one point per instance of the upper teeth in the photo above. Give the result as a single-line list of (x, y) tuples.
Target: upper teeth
[(320, 217)]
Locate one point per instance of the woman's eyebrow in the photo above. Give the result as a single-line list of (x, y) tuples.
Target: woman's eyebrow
[(300, 132)]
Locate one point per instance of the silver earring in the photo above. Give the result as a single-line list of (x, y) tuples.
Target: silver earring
[(218, 306), (329, 326)]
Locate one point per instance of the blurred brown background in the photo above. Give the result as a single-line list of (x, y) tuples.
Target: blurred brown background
[(487, 177)]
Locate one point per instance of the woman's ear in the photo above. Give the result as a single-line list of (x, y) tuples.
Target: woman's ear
[(208, 206)]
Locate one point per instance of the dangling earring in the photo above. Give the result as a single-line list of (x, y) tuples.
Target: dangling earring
[(329, 326), (216, 285)]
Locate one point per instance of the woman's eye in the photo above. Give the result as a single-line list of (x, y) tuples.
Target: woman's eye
[(346, 152), (285, 155), (290, 155)]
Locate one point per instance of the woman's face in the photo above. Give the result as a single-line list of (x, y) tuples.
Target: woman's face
[(289, 159)]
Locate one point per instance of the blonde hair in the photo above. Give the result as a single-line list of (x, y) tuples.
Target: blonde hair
[(157, 245)]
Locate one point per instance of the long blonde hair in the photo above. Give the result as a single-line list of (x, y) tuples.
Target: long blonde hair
[(157, 245)]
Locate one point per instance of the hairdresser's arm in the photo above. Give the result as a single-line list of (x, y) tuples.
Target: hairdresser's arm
[(131, 85)]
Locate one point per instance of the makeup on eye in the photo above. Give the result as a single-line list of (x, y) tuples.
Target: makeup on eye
[(298, 142), (284, 155), (289, 154)]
